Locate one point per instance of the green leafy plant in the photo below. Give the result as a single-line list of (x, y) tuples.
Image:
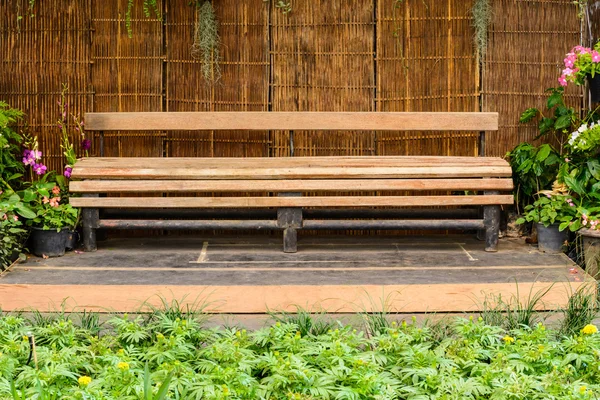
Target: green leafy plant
[(519, 359), (534, 169), (551, 209), (52, 211), (12, 231), (581, 310), (11, 168)]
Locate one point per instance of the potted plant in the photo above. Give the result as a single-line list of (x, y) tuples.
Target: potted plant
[(552, 213), (52, 214), (581, 64), (71, 234)]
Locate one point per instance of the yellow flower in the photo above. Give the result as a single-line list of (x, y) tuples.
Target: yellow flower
[(508, 339), (582, 389), (84, 380), (589, 329), (123, 366), (25, 338)]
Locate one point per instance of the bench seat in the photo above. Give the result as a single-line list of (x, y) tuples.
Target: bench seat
[(288, 185)]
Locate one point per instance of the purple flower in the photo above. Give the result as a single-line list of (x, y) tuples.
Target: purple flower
[(35, 154), (39, 169), (86, 144), (28, 161), (68, 171)]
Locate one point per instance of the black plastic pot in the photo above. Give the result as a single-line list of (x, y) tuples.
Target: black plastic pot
[(550, 239), (595, 88), (48, 243), (71, 239)]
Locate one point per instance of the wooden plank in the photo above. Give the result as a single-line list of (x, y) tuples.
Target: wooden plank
[(295, 173), (355, 121), (316, 201), (253, 162), (260, 299), (175, 186)]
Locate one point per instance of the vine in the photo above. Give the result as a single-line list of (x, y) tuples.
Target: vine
[(149, 7), (207, 41), (284, 6)]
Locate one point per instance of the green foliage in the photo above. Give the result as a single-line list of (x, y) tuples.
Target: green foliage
[(176, 358), (207, 42), (581, 310), (149, 7), (552, 209), (12, 232), (284, 6), (315, 324), (534, 169), (514, 312), (47, 197), (11, 167), (555, 119)]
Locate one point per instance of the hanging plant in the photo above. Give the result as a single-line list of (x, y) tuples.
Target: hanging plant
[(207, 41), (149, 7), (284, 6), (482, 17)]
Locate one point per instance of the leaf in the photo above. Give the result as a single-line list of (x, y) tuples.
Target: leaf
[(528, 115), (574, 185), (594, 167), (554, 99), (25, 211), (543, 152), (562, 122), (520, 221), (545, 125)]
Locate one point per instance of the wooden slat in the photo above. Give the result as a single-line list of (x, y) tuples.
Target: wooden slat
[(93, 161), (254, 162), (174, 186), (261, 202), (368, 121), (427, 297), (294, 173)]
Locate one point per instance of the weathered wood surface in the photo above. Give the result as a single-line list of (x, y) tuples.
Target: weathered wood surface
[(316, 201), (338, 185), (394, 224), (229, 172), (353, 121)]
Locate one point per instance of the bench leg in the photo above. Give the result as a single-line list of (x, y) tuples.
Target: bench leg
[(289, 219), (89, 221), (491, 220)]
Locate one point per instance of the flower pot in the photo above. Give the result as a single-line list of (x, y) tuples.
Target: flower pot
[(48, 243), (71, 239), (595, 88), (550, 239), (591, 251)]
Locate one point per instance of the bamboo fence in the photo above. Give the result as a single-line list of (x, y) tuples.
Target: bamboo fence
[(356, 55)]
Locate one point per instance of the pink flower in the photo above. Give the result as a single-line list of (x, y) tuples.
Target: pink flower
[(15, 217), (595, 56), (567, 71), (45, 200), (567, 159), (36, 154), (562, 81), (56, 190), (54, 201)]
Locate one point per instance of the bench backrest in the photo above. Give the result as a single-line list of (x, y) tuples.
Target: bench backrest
[(306, 121)]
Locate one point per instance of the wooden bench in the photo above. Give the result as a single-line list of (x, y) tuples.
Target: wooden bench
[(292, 193)]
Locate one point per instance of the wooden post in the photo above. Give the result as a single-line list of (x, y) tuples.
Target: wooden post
[(89, 219), (290, 219), (491, 221)]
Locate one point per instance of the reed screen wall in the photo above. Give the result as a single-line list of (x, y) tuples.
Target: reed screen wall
[(327, 55)]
